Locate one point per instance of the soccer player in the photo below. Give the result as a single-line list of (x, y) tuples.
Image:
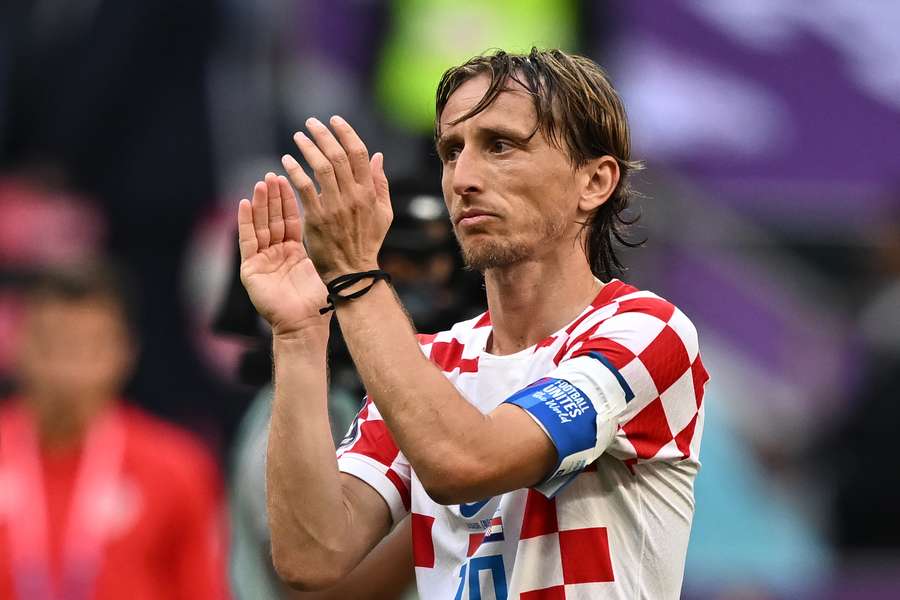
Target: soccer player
[(547, 448)]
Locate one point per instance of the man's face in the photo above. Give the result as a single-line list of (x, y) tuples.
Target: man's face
[(510, 198), (75, 354)]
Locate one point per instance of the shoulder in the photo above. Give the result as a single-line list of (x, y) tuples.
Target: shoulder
[(461, 331), (637, 315), (458, 346), (642, 335)]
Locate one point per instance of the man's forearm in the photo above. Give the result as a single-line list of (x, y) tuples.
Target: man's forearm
[(305, 501), (438, 430)]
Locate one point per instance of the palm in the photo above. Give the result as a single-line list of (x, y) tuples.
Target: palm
[(283, 284), (279, 276)]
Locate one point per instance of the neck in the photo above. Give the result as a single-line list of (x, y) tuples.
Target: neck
[(60, 432), (529, 301), (57, 428)]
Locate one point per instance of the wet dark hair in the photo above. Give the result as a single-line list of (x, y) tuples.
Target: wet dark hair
[(578, 111)]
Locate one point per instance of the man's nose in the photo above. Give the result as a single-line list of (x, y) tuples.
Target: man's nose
[(467, 173)]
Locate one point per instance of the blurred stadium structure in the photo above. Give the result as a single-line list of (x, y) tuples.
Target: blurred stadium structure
[(771, 133)]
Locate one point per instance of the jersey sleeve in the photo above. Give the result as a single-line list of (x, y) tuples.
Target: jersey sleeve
[(630, 383), (655, 348), (368, 452)]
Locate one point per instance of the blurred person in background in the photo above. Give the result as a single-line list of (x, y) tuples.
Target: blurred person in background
[(420, 253), (73, 228), (98, 500), (96, 95)]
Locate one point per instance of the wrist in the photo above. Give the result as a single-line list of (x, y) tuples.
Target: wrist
[(336, 271), (312, 339), (368, 304)]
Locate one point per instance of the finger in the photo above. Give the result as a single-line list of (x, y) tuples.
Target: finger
[(355, 149), (246, 233), (312, 203), (333, 152), (293, 225), (322, 168), (380, 180), (260, 205), (276, 222)]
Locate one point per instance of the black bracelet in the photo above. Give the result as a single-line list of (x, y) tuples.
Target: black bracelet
[(339, 284)]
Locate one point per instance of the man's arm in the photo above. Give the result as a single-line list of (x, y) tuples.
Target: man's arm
[(385, 574), (322, 522), (458, 453)]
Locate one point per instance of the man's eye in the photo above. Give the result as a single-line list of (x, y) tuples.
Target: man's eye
[(452, 153), (498, 146)]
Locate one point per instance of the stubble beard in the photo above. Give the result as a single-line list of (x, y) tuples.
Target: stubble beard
[(498, 252), (492, 254)]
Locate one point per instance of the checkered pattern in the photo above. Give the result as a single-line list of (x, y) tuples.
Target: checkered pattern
[(423, 544), (654, 346), (452, 354), (368, 451), (619, 528), (569, 558)]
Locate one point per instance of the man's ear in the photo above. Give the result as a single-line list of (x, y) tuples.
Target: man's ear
[(602, 177)]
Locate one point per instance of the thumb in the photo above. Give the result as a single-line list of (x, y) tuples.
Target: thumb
[(382, 189)]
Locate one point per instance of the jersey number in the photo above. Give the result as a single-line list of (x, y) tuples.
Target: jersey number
[(494, 564)]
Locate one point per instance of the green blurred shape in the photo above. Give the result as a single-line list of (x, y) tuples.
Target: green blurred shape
[(429, 36)]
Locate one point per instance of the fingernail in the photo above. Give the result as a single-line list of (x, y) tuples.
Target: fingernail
[(287, 159), (312, 122), (338, 120), (300, 136)]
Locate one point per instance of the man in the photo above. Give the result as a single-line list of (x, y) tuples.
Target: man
[(98, 500), (548, 448)]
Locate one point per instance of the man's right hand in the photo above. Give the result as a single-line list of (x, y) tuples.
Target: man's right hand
[(275, 269), (323, 522)]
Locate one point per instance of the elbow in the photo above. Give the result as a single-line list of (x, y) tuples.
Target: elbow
[(456, 483), (307, 572), (442, 493)]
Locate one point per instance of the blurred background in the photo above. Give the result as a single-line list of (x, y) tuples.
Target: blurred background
[(770, 130)]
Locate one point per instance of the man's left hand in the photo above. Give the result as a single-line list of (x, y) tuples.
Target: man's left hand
[(346, 220)]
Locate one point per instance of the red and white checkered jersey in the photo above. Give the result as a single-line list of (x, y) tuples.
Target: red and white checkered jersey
[(613, 520)]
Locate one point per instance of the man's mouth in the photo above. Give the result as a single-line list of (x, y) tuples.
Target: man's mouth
[(473, 217)]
